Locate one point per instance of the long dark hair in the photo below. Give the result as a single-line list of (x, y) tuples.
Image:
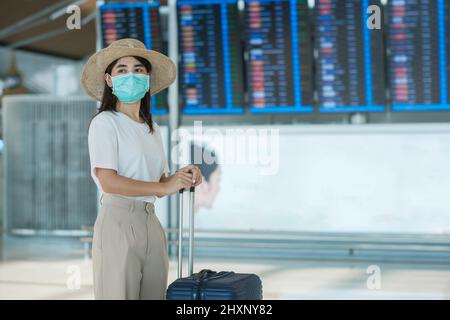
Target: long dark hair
[(109, 100)]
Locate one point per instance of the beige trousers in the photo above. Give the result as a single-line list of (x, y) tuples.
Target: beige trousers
[(129, 251)]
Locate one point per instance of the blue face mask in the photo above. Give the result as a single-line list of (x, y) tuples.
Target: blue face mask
[(130, 87)]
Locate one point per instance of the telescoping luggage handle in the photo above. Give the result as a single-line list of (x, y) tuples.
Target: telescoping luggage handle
[(191, 233)]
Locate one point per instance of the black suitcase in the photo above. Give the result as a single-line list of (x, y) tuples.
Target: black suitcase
[(207, 284)]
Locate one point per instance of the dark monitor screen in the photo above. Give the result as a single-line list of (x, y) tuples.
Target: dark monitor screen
[(350, 57), (418, 40), (279, 56), (210, 57)]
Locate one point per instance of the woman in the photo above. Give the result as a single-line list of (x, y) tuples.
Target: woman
[(129, 249)]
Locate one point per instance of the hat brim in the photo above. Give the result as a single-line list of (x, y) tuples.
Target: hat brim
[(163, 72)]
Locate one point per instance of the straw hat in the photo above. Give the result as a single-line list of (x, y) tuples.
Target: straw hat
[(163, 72)]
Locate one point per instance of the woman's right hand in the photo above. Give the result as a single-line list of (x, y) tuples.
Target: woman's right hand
[(179, 180)]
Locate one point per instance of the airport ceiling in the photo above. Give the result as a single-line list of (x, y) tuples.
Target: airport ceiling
[(40, 26)]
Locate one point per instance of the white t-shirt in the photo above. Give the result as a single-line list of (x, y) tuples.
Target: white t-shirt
[(118, 142)]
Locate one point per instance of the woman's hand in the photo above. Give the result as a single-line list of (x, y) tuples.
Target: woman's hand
[(195, 171), (179, 180)]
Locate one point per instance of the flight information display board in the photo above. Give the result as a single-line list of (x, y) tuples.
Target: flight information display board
[(140, 21), (210, 54), (446, 36), (418, 38), (279, 61), (350, 57)]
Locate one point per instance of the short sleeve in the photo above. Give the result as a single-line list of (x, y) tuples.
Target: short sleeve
[(103, 146)]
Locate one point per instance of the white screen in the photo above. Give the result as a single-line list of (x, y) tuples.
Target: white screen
[(366, 178)]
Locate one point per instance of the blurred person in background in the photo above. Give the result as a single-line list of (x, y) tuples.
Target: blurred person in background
[(207, 192)]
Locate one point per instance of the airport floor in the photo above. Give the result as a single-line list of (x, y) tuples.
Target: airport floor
[(43, 268)]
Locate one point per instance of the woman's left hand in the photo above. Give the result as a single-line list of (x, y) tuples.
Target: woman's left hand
[(196, 174)]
